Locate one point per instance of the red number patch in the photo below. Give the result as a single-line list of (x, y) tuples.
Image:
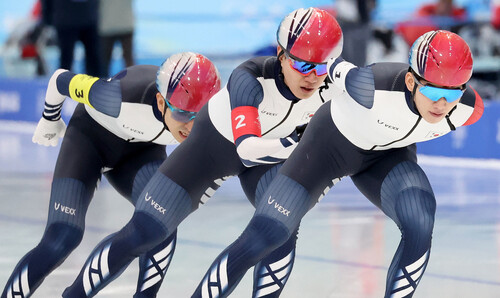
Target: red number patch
[(245, 121)]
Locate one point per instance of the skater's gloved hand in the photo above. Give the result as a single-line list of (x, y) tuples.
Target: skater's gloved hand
[(300, 130), (48, 132), (296, 135)]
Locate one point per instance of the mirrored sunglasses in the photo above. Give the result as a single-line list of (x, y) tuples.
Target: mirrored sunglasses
[(436, 93), (181, 115), (305, 68)]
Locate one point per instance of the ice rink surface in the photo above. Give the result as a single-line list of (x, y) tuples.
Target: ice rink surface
[(345, 244)]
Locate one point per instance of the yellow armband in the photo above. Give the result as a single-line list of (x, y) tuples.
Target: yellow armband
[(79, 88)]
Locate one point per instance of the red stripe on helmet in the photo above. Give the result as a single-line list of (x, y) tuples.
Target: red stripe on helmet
[(318, 39), (199, 83), (448, 60)]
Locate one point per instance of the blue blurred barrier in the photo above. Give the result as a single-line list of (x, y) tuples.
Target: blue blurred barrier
[(22, 100)]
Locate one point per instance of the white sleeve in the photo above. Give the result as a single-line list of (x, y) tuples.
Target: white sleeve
[(255, 150), (53, 99), (52, 96), (337, 71)]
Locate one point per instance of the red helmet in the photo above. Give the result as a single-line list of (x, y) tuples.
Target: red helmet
[(312, 35), (441, 57), (188, 80)]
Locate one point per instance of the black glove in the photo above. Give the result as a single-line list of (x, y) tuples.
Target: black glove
[(296, 135), (299, 130)]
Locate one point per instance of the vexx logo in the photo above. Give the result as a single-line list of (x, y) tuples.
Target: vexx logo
[(278, 207), (155, 205), (65, 209), (387, 125)]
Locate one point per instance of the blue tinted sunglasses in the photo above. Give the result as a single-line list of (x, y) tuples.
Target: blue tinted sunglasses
[(305, 68), (181, 115), (436, 93)]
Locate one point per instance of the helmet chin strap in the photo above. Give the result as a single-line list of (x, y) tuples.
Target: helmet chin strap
[(165, 127), (281, 53), (414, 91), (413, 94)]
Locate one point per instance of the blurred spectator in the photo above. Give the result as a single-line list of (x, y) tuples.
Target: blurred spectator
[(495, 23), (75, 20), (116, 24), (29, 39), (495, 16), (354, 19), (442, 14)]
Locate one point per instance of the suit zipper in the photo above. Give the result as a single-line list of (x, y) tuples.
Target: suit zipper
[(283, 120)]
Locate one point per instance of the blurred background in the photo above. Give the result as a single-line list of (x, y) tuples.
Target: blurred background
[(231, 31)]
